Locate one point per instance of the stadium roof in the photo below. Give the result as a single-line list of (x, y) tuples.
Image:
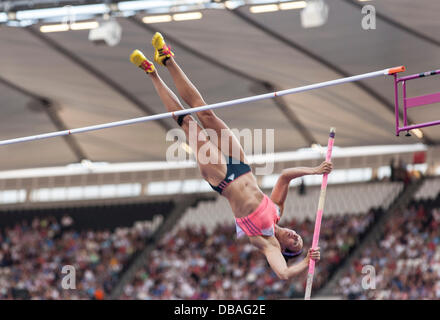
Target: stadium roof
[(60, 80)]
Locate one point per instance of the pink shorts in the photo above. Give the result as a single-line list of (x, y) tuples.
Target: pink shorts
[(261, 221)]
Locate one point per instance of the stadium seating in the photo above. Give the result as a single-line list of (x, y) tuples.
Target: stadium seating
[(406, 258), (202, 259), (340, 199), (429, 190), (34, 252), (199, 259)]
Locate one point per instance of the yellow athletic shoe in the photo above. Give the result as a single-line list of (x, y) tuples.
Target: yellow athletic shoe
[(162, 52), (139, 60)]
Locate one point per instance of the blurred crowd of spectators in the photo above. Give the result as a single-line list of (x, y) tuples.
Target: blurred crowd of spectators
[(399, 169), (32, 256), (192, 264), (406, 258)]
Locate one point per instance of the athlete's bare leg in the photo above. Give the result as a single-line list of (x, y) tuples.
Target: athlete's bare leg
[(208, 118), (210, 160)]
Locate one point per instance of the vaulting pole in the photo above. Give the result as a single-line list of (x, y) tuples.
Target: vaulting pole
[(311, 272)]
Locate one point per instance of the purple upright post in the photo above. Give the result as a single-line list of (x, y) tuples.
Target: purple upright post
[(414, 101), (396, 99)]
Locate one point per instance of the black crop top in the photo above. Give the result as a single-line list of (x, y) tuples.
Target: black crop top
[(235, 168)]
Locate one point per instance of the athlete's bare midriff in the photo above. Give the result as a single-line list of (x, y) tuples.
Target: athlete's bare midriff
[(244, 195)]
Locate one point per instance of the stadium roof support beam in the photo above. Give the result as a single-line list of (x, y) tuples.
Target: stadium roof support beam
[(48, 106), (97, 74)]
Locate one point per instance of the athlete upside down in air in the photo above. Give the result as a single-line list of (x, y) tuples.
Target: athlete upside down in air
[(256, 214)]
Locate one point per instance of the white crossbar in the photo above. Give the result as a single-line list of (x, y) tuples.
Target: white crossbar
[(198, 109)]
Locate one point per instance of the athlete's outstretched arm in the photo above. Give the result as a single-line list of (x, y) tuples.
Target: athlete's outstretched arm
[(270, 247), (279, 265), (281, 188)]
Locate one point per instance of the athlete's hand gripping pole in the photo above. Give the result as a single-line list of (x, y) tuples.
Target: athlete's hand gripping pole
[(311, 272)]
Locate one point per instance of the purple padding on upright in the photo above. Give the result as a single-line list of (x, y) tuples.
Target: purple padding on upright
[(422, 100)]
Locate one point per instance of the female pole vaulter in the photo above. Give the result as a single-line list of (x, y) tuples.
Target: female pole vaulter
[(256, 214)]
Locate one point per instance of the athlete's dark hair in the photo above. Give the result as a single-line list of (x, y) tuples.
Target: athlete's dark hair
[(289, 254)]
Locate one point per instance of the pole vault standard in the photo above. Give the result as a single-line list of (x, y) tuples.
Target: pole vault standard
[(413, 101), (319, 213), (389, 71)]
